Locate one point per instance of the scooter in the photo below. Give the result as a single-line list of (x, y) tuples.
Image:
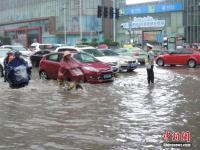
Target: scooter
[(18, 77), (73, 78)]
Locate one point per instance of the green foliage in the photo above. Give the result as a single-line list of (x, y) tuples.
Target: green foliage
[(84, 40), (110, 43), (95, 42), (5, 41)]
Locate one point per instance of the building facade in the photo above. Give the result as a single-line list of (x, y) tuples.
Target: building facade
[(152, 22), (51, 21)]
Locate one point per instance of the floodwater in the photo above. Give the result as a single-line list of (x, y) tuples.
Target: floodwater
[(124, 115)]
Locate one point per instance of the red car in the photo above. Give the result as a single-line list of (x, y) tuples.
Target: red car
[(94, 71), (179, 57)]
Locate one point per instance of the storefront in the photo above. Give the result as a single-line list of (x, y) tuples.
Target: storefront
[(50, 21), (151, 22), (24, 35)]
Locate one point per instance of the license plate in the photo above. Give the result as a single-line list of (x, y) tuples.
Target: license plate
[(130, 65), (107, 76), (114, 69)]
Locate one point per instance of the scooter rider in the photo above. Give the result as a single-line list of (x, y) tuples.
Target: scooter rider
[(65, 73), (17, 72)]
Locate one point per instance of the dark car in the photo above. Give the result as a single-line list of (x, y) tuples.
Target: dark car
[(37, 56)]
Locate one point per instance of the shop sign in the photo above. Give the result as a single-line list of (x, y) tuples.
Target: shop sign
[(151, 8), (143, 22)]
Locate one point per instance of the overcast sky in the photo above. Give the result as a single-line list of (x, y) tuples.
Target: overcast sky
[(138, 1)]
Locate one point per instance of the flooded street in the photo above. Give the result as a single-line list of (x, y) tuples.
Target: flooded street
[(124, 115)]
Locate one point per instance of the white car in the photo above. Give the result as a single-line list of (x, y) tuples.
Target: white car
[(19, 48), (3, 54), (112, 61), (126, 63)]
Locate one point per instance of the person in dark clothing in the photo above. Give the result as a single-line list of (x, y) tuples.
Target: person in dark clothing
[(1, 43), (8, 58), (17, 72), (150, 64)]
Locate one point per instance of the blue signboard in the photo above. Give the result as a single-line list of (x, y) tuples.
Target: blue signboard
[(146, 9)]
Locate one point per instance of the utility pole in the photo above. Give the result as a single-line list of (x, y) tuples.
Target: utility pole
[(65, 26), (114, 23), (130, 29), (80, 20)]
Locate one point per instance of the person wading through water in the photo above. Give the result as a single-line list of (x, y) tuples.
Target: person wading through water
[(150, 64), (66, 75)]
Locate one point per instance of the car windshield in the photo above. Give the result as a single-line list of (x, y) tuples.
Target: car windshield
[(94, 52), (47, 47), (3, 53), (110, 53), (19, 48), (121, 50), (84, 58), (171, 51)]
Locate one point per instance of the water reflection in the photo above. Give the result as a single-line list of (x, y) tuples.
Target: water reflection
[(125, 114)]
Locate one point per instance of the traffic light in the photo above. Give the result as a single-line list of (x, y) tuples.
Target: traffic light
[(117, 13), (105, 12), (165, 42), (99, 11), (111, 12)]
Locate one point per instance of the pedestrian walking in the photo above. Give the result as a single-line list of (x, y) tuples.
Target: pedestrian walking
[(150, 64)]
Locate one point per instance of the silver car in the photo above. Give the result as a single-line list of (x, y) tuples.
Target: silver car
[(126, 63)]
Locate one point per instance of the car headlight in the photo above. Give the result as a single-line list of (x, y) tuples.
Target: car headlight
[(123, 62), (113, 63), (91, 69)]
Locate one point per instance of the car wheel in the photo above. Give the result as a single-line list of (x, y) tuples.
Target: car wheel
[(192, 63), (1, 71), (172, 65), (43, 75), (142, 63), (34, 63), (130, 70), (160, 62)]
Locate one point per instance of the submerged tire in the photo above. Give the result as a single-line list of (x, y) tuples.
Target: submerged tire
[(191, 63), (43, 75), (34, 63), (130, 70), (1, 71), (160, 62)]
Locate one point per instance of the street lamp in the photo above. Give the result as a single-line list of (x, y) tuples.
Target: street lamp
[(65, 26), (114, 23), (130, 29), (80, 21)]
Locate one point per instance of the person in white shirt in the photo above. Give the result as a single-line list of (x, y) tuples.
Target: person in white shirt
[(150, 64)]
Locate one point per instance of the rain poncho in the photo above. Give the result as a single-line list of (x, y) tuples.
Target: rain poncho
[(17, 73), (70, 70)]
